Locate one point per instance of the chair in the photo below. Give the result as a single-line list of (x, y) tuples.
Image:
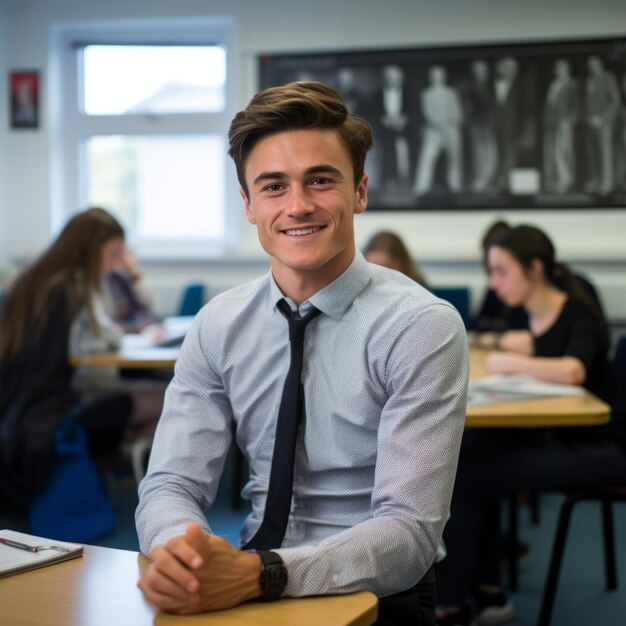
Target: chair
[(140, 454), (459, 297), (192, 300), (606, 495), (619, 366)]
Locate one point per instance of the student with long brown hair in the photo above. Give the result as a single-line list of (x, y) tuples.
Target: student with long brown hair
[(48, 307)]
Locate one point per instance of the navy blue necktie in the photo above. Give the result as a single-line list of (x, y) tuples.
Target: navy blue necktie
[(278, 504)]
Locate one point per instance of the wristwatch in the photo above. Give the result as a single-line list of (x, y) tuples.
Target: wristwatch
[(273, 575)]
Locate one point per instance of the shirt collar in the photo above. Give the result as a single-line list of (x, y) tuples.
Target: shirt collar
[(334, 299)]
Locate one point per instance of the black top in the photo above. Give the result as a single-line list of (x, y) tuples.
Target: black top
[(580, 332), (35, 395), (495, 316)]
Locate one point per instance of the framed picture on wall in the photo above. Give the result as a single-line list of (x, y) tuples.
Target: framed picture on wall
[(509, 126), (24, 98)]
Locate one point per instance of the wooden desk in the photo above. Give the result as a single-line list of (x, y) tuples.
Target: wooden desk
[(584, 410), (100, 589), (144, 358)]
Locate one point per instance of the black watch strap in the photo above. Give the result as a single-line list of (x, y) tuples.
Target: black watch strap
[(273, 575)]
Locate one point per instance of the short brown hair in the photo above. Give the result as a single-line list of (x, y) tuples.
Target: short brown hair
[(298, 106)]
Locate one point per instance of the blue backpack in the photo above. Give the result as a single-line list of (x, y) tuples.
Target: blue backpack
[(73, 505)]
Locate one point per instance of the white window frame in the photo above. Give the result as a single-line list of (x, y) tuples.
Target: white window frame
[(72, 127)]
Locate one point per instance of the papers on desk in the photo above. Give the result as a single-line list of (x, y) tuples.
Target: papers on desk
[(139, 348), (175, 330), (33, 552), (150, 354), (140, 344), (499, 388)]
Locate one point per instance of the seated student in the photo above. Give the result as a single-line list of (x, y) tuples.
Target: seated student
[(128, 298), (387, 249), (355, 496), (39, 314), (569, 345)]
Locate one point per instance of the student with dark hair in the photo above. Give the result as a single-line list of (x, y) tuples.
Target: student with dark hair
[(55, 303), (387, 249), (342, 382), (569, 345)]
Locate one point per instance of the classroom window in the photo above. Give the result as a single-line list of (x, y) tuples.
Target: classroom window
[(161, 186), (122, 80), (146, 111)]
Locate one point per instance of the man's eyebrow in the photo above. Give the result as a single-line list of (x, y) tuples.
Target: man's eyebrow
[(269, 176), (323, 168)]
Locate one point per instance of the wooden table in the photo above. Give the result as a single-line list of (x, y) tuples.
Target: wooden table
[(100, 589), (583, 410), (137, 351), (144, 358)]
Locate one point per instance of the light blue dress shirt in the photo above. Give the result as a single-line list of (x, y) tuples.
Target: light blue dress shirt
[(385, 380)]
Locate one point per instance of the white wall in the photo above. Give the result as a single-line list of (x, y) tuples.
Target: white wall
[(446, 244), (4, 241)]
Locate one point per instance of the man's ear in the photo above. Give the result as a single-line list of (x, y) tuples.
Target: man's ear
[(246, 203), (361, 194)]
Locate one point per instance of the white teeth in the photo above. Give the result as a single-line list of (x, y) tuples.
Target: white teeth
[(303, 231)]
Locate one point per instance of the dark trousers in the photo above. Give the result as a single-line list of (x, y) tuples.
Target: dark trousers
[(496, 464), (104, 419), (413, 607)]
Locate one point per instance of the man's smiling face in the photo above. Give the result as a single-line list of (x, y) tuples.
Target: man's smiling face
[(302, 200)]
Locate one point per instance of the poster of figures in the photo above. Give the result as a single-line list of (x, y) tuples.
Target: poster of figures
[(525, 125)]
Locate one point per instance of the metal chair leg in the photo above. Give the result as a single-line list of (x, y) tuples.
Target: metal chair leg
[(535, 515), (549, 592), (512, 547), (609, 543), (606, 496)]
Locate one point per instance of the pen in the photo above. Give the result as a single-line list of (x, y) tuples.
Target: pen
[(17, 544)]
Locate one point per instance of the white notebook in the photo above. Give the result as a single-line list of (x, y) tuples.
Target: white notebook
[(502, 388), (47, 551)]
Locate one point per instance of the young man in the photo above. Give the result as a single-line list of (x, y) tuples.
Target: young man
[(360, 501)]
